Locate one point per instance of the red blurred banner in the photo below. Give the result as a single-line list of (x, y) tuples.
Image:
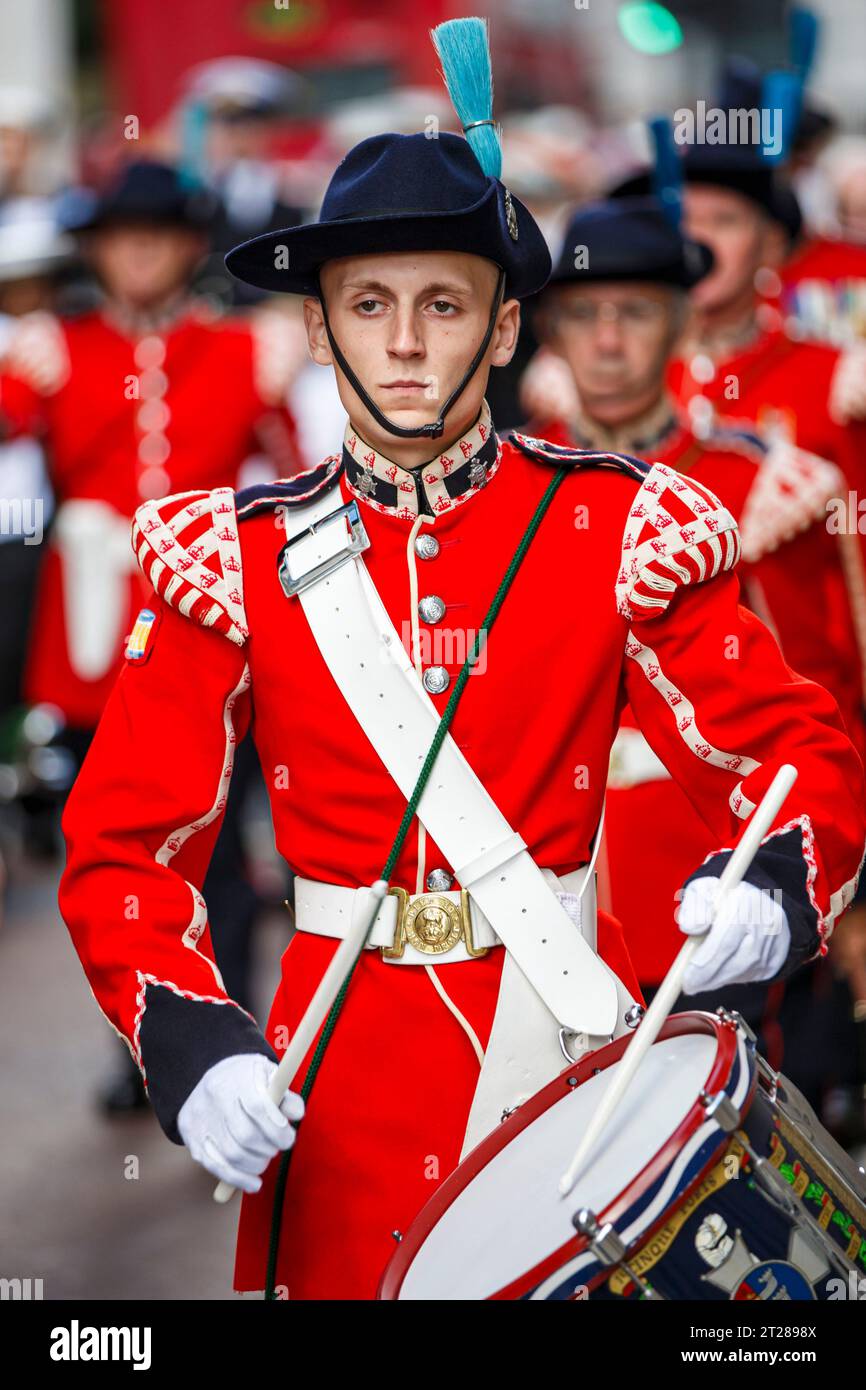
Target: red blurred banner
[(150, 47)]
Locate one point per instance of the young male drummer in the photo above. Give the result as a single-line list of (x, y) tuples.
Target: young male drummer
[(627, 591)]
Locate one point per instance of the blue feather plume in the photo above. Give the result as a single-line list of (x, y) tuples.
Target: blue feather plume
[(194, 129), (464, 52), (667, 177), (804, 29), (783, 91)]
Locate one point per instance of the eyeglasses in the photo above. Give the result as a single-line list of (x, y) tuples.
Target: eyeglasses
[(631, 313)]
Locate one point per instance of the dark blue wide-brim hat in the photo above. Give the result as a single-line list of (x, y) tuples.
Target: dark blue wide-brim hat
[(629, 239), (740, 168), (143, 191), (744, 169), (741, 87), (402, 193)]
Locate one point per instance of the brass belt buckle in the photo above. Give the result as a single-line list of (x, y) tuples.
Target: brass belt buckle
[(433, 924)]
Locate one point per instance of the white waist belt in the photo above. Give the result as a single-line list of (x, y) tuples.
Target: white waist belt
[(92, 541), (326, 909)]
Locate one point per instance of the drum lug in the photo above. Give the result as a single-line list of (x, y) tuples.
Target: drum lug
[(721, 1108), (769, 1076), (736, 1020), (770, 1180), (777, 1191), (604, 1241), (608, 1247), (775, 1187)]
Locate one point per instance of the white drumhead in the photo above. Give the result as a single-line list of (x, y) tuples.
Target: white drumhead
[(511, 1216)]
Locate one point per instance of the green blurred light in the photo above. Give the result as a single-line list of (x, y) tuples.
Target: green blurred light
[(650, 28)]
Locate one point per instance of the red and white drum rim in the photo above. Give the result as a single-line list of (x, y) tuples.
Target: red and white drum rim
[(725, 1032)]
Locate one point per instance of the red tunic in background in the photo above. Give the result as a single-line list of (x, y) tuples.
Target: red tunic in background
[(809, 393), (794, 576), (125, 417), (823, 289)]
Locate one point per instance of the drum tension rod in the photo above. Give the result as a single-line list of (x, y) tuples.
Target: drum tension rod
[(765, 1071), (776, 1189), (721, 1108), (605, 1240), (770, 1077), (774, 1185), (736, 1020), (781, 1196), (608, 1246)]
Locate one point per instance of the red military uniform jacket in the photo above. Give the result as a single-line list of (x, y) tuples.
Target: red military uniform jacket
[(626, 594), (809, 393), (822, 289), (804, 582), (129, 413)]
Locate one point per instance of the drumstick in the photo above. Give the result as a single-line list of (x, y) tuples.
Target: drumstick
[(761, 820), (317, 1010)]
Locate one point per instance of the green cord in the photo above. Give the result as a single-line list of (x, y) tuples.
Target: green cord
[(388, 869)]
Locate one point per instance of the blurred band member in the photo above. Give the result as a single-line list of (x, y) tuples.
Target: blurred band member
[(131, 402), (232, 114), (612, 313), (147, 395), (823, 282), (32, 252), (732, 365)]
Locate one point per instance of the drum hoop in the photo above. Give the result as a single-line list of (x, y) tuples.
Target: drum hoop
[(643, 1180), (676, 1026)]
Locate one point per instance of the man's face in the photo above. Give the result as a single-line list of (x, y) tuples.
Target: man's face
[(231, 140), (852, 206), (736, 231), (409, 323), (18, 297), (616, 339), (16, 147), (142, 264)]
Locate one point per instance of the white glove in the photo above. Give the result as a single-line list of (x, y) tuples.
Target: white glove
[(748, 941), (230, 1124)]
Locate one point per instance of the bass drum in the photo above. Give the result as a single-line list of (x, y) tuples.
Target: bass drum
[(715, 1180)]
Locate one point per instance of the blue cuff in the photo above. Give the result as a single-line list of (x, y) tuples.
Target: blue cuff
[(181, 1039)]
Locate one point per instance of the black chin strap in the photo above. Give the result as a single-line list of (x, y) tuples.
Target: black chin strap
[(434, 430)]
